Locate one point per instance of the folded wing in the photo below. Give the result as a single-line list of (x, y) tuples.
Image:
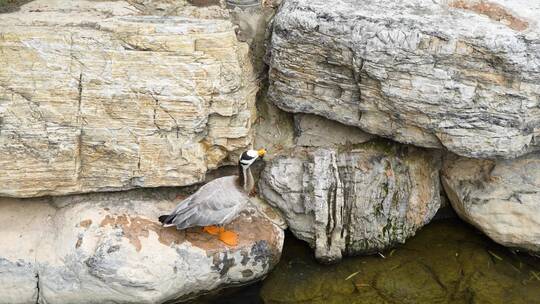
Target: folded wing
[(216, 203)]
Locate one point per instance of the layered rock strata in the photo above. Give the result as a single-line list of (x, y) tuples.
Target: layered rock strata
[(458, 74), (101, 96), (355, 201)]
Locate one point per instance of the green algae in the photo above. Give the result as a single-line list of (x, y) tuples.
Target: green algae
[(378, 144), (7, 6), (447, 262)]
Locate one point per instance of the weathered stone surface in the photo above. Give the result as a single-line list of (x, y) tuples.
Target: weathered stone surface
[(95, 96), (356, 201), (274, 128), (461, 74), (203, 9), (110, 248), (501, 198), (251, 18), (317, 131)]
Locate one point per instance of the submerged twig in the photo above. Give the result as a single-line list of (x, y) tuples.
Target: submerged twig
[(517, 269), (494, 255), (352, 275), (362, 285)]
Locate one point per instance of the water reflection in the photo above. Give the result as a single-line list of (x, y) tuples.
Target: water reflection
[(447, 262)]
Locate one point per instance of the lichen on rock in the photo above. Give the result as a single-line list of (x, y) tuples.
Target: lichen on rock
[(354, 201)]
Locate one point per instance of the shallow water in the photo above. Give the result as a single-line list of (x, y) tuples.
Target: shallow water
[(446, 262)]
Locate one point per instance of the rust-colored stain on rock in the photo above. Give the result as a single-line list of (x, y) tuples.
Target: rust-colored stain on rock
[(203, 3), (248, 228), (493, 11), (85, 223), (136, 227)]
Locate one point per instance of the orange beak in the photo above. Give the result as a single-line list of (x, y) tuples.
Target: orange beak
[(261, 152)]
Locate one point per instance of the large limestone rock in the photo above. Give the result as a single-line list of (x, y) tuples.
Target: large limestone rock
[(462, 74), (354, 201), (100, 96), (501, 198), (110, 248)]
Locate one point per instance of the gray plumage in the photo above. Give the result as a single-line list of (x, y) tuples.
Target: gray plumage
[(219, 201), (216, 203)]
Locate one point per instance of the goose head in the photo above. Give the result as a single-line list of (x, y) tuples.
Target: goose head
[(249, 157)]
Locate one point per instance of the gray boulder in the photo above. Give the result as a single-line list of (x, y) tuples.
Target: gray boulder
[(355, 201), (501, 198), (460, 74)]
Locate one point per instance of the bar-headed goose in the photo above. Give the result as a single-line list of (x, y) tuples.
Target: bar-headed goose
[(218, 202)]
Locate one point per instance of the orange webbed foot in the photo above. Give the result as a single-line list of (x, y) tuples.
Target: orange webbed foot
[(228, 237), (213, 230)]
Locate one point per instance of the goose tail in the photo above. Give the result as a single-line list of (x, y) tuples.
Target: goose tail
[(163, 219)]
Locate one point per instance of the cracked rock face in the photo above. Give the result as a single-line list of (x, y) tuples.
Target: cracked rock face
[(461, 74), (356, 201), (110, 248), (501, 198), (101, 96)]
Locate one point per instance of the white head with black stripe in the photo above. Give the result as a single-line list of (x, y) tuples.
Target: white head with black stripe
[(249, 157)]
